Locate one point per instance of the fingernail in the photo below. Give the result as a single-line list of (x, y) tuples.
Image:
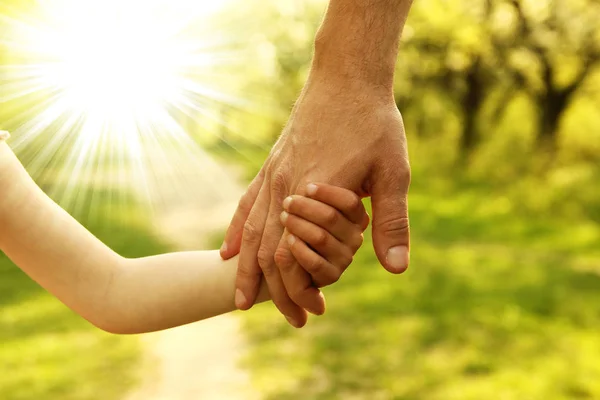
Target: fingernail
[(311, 189), (292, 321), (224, 247), (316, 306), (320, 310), (284, 217), (397, 258), (287, 202), (240, 299), (291, 239), (322, 296)]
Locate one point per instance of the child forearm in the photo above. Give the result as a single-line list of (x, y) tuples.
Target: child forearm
[(49, 245), (116, 294), (173, 289)]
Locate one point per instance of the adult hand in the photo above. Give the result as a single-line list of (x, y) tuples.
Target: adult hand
[(339, 134), (345, 130)]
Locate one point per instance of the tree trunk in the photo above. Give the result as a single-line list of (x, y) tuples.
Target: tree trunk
[(472, 102), (553, 105)]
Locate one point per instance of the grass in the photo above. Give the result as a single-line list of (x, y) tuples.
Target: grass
[(496, 305), (48, 352)]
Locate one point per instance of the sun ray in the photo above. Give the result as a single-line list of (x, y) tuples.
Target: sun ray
[(93, 91)]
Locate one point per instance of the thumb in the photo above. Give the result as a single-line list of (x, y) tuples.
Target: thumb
[(391, 233)]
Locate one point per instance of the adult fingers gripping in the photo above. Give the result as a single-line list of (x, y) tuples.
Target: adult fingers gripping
[(249, 272), (295, 315), (233, 238)]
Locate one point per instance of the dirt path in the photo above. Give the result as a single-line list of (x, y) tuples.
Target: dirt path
[(198, 361)]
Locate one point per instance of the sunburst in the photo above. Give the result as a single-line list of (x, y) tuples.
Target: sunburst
[(101, 93)]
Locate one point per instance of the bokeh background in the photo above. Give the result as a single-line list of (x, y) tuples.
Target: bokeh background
[(501, 101)]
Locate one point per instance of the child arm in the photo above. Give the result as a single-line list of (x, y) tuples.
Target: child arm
[(174, 289), (116, 294)]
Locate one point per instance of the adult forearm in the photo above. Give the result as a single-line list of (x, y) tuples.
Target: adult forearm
[(358, 41)]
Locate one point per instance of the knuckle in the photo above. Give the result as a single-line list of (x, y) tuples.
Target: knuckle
[(315, 266), (247, 273), (245, 203), (321, 238), (347, 258), (279, 184), (251, 233), (265, 259), (283, 259), (355, 204), (331, 217), (357, 241), (335, 278), (394, 226), (397, 174), (330, 278), (404, 175)]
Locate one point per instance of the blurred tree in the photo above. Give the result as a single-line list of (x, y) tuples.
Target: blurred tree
[(453, 54), (562, 39), (481, 51)]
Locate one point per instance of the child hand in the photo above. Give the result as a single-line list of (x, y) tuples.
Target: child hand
[(326, 230)]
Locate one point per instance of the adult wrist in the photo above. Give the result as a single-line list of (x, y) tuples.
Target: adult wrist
[(357, 43), (336, 63)]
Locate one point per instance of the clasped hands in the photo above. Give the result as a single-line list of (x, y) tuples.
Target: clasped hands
[(339, 135)]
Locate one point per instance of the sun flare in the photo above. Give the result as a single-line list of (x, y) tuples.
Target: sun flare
[(114, 82)]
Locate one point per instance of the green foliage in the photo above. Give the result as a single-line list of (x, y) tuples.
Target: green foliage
[(494, 306), (485, 54)]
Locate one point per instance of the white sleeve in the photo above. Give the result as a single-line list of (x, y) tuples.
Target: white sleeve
[(4, 135)]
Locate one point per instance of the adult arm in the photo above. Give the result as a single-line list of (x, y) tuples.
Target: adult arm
[(345, 130)]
